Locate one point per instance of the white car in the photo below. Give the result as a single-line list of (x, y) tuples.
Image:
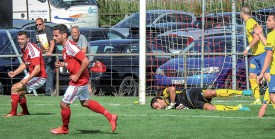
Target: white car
[(154, 17)]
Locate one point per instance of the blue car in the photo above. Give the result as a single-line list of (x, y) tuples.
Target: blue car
[(217, 70)]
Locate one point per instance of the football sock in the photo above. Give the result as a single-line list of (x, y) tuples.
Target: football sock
[(66, 114), (14, 103), (227, 92), (23, 104), (255, 88), (96, 107), (226, 108)]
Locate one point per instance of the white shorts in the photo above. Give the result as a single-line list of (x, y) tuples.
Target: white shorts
[(34, 83), (74, 92)]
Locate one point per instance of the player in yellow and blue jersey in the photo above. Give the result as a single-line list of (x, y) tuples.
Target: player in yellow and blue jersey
[(258, 54), (269, 43)]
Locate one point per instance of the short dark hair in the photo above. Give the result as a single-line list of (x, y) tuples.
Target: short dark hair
[(39, 19), (62, 29), (23, 33), (272, 14), (155, 99)]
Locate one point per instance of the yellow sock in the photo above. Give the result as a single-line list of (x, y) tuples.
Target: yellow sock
[(227, 92), (266, 97), (226, 108), (255, 88)]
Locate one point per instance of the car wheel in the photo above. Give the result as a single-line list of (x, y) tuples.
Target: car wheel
[(128, 87), (1, 89)]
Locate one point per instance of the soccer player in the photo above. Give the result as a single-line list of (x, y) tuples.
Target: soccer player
[(81, 42), (196, 98), (76, 62), (32, 58), (269, 43), (258, 54)]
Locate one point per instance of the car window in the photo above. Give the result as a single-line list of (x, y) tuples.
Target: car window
[(176, 18), (112, 35), (94, 35)]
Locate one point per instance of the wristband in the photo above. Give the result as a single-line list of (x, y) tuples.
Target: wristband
[(172, 104), (247, 48)]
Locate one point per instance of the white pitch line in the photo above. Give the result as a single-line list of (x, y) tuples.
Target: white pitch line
[(174, 115)]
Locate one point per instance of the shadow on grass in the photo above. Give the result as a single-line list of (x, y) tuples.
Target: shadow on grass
[(93, 132), (41, 113)]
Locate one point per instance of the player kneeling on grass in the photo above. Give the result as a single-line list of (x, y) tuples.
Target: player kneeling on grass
[(32, 58), (76, 62), (196, 98)]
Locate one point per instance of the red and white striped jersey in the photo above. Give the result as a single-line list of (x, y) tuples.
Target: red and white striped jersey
[(73, 58), (32, 56)]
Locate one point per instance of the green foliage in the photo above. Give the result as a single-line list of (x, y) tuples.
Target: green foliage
[(113, 11), (135, 121)]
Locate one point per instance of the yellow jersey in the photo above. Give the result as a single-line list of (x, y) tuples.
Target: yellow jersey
[(258, 48), (270, 45)]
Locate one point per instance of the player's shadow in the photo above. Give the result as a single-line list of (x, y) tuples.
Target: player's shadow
[(41, 113), (92, 132)]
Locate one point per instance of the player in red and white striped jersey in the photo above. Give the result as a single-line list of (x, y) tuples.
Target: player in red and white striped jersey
[(76, 62), (33, 60)]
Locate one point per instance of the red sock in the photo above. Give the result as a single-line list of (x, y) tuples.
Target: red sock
[(23, 104), (96, 107), (66, 114), (14, 103)]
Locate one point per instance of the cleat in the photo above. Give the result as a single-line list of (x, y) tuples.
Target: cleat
[(243, 108), (256, 102), (113, 122), (247, 93), (59, 130), (22, 114), (9, 115)]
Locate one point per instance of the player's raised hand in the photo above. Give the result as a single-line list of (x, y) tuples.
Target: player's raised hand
[(11, 74)]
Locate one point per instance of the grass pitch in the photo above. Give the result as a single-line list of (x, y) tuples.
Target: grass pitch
[(135, 121)]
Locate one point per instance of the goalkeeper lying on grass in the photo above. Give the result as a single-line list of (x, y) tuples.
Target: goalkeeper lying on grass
[(196, 98)]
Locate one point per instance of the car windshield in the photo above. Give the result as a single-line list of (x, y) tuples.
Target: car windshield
[(133, 20), (213, 46), (173, 42), (66, 3)]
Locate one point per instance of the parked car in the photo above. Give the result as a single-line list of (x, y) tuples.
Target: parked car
[(218, 19), (154, 17), (93, 34), (177, 40), (24, 24), (217, 69), (122, 72)]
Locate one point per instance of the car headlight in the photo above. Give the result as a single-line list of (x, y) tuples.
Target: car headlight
[(211, 70), (159, 71)]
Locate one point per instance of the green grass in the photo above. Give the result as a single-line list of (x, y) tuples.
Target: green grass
[(135, 121)]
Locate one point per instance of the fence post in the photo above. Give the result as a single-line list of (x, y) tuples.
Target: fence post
[(234, 56), (202, 42), (142, 51)]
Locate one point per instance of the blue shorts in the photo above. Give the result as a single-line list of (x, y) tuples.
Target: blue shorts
[(271, 87), (257, 63)]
